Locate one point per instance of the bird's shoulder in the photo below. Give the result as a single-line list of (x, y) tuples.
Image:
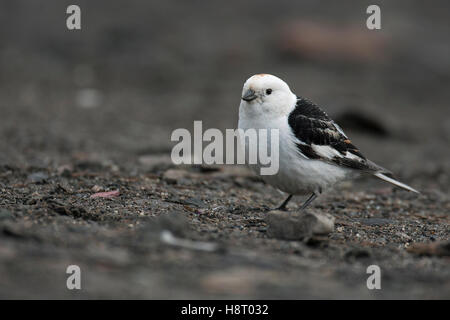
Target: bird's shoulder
[(319, 137)]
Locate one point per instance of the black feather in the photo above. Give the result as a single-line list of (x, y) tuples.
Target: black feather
[(312, 126)]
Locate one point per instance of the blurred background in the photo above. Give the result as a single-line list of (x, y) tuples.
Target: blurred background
[(136, 71), (89, 110)]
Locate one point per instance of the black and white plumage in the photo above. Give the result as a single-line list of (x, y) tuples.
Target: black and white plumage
[(314, 152)]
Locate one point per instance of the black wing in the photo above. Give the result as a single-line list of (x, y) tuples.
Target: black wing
[(320, 138)]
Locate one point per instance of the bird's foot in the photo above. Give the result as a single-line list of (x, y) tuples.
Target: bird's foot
[(283, 206)]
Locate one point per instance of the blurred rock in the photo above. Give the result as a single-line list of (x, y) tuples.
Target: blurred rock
[(362, 122), (37, 177), (324, 42), (175, 230), (96, 188), (175, 221), (65, 170), (438, 248), (168, 237), (175, 175), (108, 194), (88, 98), (298, 225), (357, 253), (156, 162)]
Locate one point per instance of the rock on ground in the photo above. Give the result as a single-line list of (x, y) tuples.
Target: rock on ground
[(298, 225)]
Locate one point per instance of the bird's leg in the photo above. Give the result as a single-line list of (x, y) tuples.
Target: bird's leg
[(308, 201), (282, 207)]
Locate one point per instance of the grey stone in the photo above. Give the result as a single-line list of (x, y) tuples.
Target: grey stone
[(37, 177), (176, 222), (298, 225)]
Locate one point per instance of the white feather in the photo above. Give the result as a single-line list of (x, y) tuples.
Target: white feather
[(326, 151), (395, 182)]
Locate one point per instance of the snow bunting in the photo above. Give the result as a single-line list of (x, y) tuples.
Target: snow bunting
[(314, 152)]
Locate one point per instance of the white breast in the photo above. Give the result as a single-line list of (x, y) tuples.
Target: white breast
[(297, 174)]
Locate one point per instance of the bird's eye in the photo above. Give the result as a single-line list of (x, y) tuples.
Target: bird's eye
[(268, 91)]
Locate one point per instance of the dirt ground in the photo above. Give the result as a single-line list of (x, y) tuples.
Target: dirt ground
[(92, 111)]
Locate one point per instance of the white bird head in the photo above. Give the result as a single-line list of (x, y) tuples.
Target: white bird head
[(268, 95)]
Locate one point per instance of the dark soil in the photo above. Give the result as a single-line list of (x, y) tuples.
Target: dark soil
[(93, 110)]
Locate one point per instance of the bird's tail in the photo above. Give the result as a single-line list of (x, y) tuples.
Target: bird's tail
[(384, 177)]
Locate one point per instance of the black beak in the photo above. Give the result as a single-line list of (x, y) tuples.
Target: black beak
[(249, 95)]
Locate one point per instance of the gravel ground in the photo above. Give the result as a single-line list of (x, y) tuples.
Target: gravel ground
[(91, 112)]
